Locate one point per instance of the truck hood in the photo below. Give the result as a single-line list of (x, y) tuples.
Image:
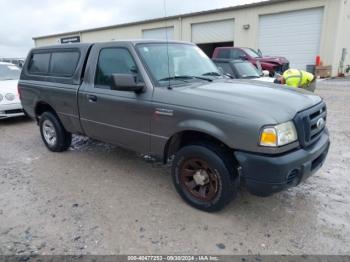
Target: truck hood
[(273, 59), (247, 98)]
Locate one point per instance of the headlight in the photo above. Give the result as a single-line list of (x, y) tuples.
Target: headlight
[(278, 135), (10, 97)]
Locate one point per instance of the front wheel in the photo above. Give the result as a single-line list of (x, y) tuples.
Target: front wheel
[(55, 137), (204, 177)]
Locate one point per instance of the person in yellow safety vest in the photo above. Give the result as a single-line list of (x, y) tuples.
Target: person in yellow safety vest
[(298, 78)]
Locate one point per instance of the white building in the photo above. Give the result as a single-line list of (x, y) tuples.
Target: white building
[(296, 29)]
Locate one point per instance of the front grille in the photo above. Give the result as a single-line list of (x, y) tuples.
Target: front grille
[(309, 124), (13, 111)]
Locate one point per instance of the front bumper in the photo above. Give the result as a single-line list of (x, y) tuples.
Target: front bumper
[(11, 110), (265, 175)]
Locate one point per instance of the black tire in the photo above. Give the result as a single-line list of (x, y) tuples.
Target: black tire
[(220, 163), (63, 138)]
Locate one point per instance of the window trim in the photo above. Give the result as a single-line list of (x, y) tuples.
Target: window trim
[(31, 59), (75, 68), (50, 52), (97, 64)]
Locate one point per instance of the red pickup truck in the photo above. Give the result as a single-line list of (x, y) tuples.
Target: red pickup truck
[(273, 64)]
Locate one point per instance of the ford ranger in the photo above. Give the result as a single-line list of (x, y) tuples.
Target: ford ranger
[(169, 101)]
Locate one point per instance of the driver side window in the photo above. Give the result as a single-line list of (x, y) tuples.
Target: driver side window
[(113, 61)]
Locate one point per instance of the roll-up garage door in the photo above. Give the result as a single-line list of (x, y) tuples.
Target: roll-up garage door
[(213, 32), (295, 35), (159, 33)]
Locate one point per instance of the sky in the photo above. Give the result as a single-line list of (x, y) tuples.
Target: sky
[(21, 20)]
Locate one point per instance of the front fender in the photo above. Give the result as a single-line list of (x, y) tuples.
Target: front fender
[(159, 144), (203, 127)]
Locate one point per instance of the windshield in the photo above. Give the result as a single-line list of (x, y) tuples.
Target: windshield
[(9, 72), (177, 62), (252, 53), (246, 70)]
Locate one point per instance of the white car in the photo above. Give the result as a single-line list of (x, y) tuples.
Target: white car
[(10, 103)]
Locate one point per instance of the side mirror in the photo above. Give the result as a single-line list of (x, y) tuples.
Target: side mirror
[(126, 82), (266, 73)]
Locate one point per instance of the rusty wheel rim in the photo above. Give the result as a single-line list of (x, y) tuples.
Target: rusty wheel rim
[(199, 179)]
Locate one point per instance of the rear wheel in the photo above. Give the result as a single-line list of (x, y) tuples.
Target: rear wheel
[(55, 137), (205, 177)]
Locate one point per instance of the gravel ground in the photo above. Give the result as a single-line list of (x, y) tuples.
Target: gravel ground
[(100, 199)]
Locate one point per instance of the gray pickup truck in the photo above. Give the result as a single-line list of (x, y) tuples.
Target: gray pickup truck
[(168, 100)]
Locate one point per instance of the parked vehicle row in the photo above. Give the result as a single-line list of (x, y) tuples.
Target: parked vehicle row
[(10, 104), (273, 64), (168, 100)]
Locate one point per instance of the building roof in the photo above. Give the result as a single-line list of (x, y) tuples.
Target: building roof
[(237, 7)]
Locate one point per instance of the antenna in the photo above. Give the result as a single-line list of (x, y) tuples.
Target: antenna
[(167, 41)]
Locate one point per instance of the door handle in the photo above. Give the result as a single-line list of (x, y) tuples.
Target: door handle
[(92, 98)]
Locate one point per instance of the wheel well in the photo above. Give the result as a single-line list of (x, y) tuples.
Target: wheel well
[(184, 138), (42, 107)]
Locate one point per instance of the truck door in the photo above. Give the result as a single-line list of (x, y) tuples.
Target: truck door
[(118, 117)]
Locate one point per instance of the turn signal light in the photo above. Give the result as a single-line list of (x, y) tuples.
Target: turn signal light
[(268, 137)]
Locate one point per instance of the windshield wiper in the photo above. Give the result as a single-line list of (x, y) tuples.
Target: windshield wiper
[(251, 77), (185, 77), (212, 74)]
